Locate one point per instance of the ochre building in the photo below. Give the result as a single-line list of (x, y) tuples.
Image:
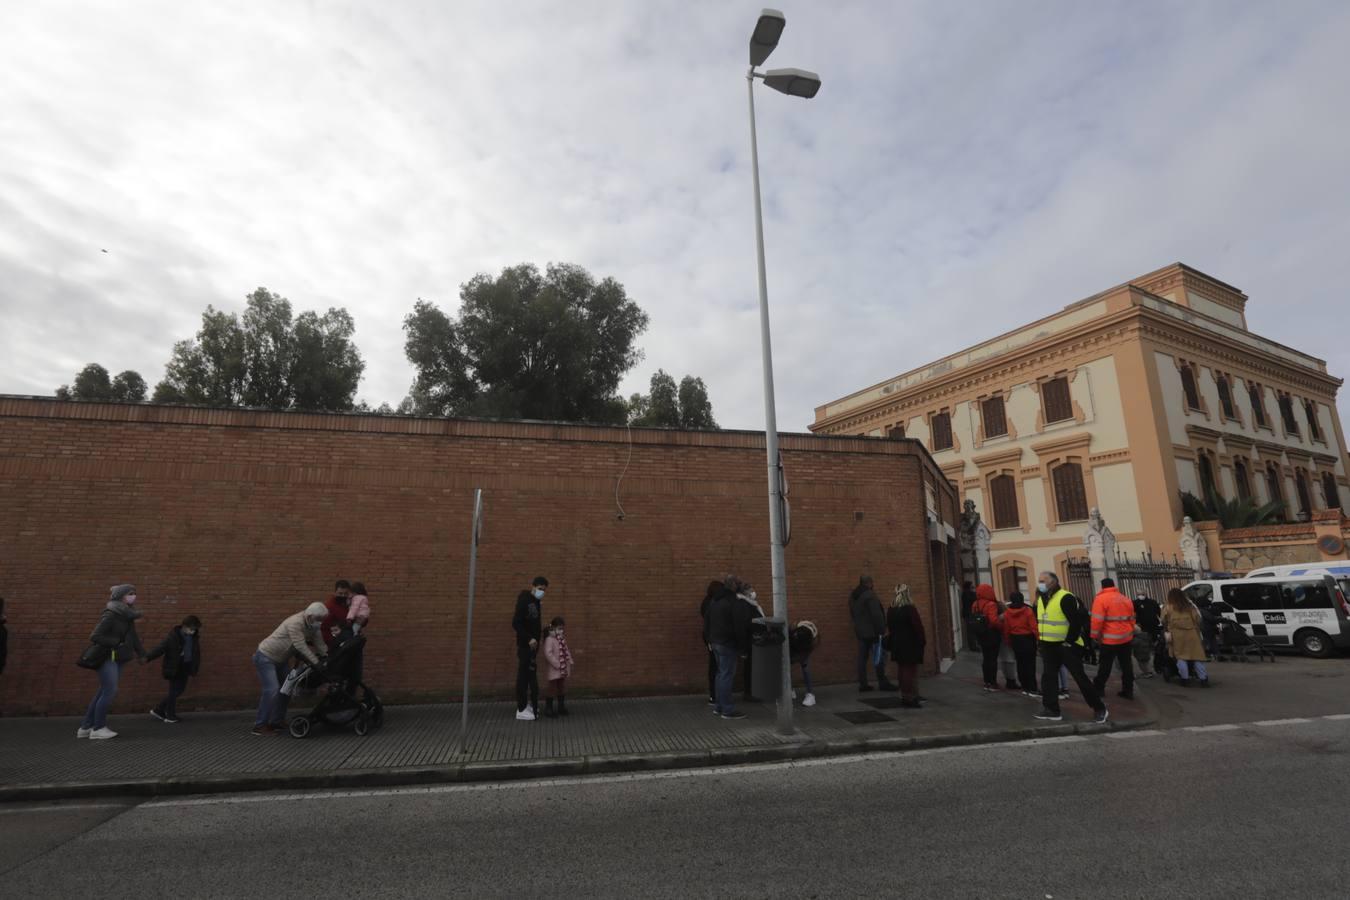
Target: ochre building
[(1118, 402)]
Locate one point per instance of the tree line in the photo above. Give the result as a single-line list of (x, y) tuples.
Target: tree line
[(525, 344)]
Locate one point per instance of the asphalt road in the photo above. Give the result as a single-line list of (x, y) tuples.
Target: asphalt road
[(1245, 811)]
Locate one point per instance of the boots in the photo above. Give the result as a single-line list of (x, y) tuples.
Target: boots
[(562, 706), (548, 709)]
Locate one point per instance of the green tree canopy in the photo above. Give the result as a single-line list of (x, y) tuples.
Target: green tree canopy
[(668, 406), (92, 383), (526, 345), (1231, 513), (267, 358)]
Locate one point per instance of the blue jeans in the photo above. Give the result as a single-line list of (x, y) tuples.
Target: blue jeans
[(806, 673), (726, 676), (96, 716), (169, 705), (272, 704), (1183, 667)]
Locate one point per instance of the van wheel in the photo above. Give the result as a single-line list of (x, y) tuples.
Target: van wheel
[(1313, 643)]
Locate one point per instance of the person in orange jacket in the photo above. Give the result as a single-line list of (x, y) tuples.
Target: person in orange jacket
[(1113, 628), (1019, 633)]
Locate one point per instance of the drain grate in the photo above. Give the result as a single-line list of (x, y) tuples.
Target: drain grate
[(883, 702), (865, 717)]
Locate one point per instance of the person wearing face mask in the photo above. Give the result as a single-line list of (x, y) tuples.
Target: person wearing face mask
[(1062, 625), (116, 640), (527, 624), (181, 650), (297, 637)]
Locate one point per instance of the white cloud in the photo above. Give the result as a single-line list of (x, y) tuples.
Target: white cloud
[(964, 169)]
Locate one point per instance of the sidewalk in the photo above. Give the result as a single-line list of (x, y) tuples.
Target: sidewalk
[(40, 758)]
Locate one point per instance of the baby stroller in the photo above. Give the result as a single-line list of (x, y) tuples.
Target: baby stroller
[(1233, 643), (346, 701), (1163, 663)]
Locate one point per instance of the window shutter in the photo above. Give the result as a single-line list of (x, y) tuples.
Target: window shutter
[(1329, 488), (1244, 487), (1259, 411), (1226, 398), (1310, 410), (942, 431), (1070, 494), (1055, 400), (1003, 488), (995, 422), (1304, 495), (1188, 386)]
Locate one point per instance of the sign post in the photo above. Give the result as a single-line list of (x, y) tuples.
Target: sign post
[(468, 627)]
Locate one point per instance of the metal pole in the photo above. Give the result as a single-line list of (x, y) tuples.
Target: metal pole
[(777, 560), (468, 627)]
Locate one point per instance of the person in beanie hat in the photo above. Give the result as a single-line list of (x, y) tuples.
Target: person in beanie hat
[(115, 633)]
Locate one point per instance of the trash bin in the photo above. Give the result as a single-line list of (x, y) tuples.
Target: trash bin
[(768, 637)]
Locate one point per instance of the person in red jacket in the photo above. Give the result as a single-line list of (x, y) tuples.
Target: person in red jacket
[(990, 634), (1019, 632)]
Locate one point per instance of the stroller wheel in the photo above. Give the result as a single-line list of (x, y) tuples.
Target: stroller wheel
[(362, 726), (299, 727)]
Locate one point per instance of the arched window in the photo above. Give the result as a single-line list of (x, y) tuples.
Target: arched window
[(1189, 388), (1070, 495), (1207, 484), (1329, 488), (1304, 494), (1225, 397), (1003, 493), (1241, 480)]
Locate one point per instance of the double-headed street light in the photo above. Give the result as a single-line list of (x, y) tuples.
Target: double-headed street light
[(794, 83)]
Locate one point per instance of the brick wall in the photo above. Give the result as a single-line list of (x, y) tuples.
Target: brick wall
[(243, 517)]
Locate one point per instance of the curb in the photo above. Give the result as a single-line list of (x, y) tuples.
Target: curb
[(599, 764)]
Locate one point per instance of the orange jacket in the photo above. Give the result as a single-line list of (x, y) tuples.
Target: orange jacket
[(1112, 618)]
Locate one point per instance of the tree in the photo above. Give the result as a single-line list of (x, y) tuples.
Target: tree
[(527, 345), (666, 406), (129, 387), (1231, 513), (91, 383), (266, 359)]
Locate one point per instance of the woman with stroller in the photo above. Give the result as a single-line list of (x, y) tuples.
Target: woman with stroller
[(1181, 629), (907, 641), (297, 636)]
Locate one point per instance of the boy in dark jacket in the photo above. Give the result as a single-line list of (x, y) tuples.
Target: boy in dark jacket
[(182, 653), (527, 624)]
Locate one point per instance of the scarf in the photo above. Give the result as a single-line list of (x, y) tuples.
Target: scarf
[(117, 607), (564, 656)]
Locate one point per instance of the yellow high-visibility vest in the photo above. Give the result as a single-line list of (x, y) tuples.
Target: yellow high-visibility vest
[(1051, 621)]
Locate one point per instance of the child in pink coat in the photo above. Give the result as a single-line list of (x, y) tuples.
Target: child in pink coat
[(558, 660), (358, 610)]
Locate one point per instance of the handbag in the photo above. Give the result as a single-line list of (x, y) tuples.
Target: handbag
[(93, 657)]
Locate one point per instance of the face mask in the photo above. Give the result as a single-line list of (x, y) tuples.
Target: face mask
[(752, 596), (539, 593), (189, 631), (1040, 586)]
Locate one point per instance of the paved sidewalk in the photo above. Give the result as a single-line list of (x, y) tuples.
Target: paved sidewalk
[(40, 758)]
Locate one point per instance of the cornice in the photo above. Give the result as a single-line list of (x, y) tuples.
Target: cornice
[(1005, 455), (1077, 441), (1236, 356)]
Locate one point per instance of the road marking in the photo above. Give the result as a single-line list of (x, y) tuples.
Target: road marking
[(1338, 717), (1274, 723), (1211, 728), (1122, 735), (67, 808)]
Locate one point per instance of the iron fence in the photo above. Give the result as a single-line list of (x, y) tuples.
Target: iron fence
[(1142, 575)]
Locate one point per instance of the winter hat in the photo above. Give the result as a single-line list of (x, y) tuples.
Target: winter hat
[(316, 610), (809, 626), (118, 591)]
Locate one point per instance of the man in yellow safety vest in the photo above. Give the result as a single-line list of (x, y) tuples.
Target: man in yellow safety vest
[(1062, 623)]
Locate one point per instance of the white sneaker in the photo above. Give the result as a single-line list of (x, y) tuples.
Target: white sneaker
[(810, 700), (524, 715), (102, 734), (84, 732), (794, 695)]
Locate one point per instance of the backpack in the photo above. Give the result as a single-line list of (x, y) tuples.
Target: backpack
[(979, 625)]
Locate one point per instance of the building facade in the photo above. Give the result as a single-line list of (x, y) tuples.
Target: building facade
[(1118, 403)]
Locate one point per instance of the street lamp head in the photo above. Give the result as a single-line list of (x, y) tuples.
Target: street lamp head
[(793, 82), (765, 37)]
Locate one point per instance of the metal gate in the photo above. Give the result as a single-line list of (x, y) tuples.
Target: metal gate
[(1142, 575)]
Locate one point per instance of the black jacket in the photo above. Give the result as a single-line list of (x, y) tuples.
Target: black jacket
[(729, 621), (171, 648), (1148, 613), (869, 622), (907, 638), (116, 630), (526, 620)]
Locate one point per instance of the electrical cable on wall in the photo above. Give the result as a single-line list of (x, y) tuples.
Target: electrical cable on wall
[(624, 472)]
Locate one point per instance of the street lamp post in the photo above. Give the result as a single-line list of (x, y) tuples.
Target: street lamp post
[(795, 83)]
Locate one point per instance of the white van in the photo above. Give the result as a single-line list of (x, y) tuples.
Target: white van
[(1338, 569), (1308, 612)]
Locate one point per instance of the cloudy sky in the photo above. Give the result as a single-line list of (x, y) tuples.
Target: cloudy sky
[(965, 168)]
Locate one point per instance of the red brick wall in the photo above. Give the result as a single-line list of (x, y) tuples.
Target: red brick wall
[(242, 518)]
